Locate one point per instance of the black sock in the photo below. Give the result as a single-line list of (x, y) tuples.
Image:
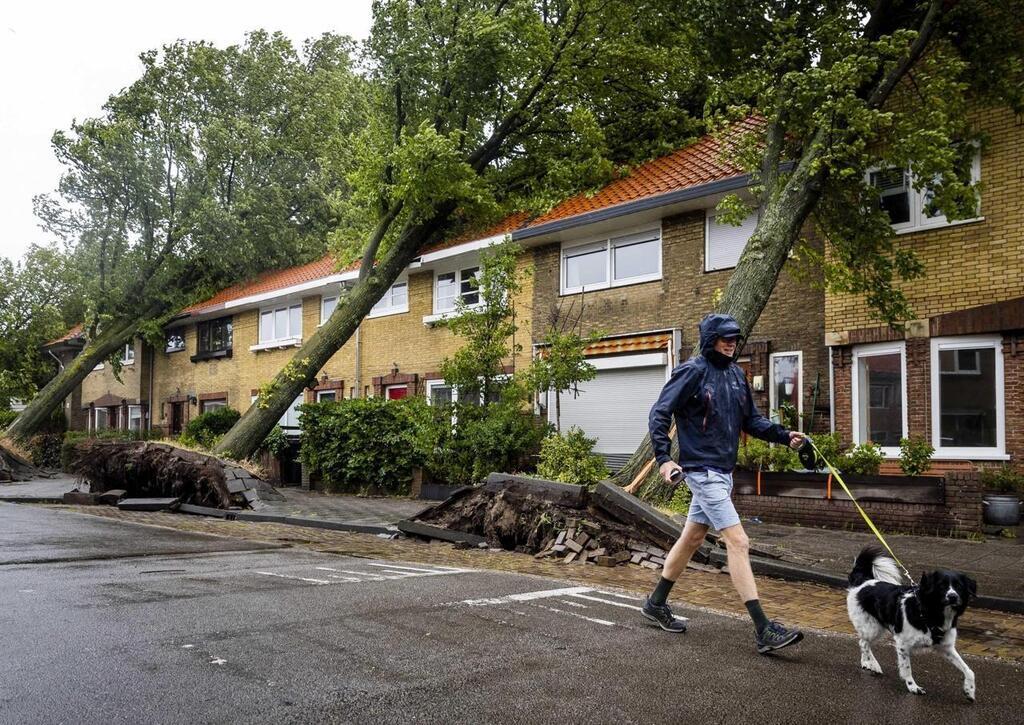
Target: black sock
[(754, 608), (660, 595)]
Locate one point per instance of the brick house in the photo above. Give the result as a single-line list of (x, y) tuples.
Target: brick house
[(954, 375), (644, 257)]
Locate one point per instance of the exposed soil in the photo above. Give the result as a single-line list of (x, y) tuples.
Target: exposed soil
[(152, 470)]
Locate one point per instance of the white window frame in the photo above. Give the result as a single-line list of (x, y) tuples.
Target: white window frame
[(383, 310), (321, 393), (772, 403), (431, 384), (293, 338), (204, 405), (128, 354), (135, 413), (608, 244), (873, 350), (458, 271), (709, 218), (168, 334), (324, 299), (283, 421), (995, 453), (95, 416), (916, 202)]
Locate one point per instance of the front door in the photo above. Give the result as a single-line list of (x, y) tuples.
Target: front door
[(177, 418)]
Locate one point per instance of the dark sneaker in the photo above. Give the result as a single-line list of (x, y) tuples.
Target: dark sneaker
[(775, 636), (662, 614)]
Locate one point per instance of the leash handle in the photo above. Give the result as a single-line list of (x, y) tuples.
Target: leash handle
[(867, 519)]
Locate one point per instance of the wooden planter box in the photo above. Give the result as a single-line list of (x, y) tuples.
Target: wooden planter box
[(793, 484)]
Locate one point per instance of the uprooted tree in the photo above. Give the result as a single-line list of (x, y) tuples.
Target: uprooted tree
[(841, 89), (483, 107), (214, 165)]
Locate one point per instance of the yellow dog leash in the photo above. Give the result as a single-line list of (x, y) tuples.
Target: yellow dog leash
[(863, 513)]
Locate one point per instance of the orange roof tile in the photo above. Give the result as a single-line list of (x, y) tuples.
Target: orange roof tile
[(270, 281), (699, 163), (75, 331)]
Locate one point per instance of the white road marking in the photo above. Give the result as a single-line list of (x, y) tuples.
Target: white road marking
[(527, 596), (574, 614), (435, 570), (218, 661), (187, 646), (606, 601), (299, 578), (573, 604)]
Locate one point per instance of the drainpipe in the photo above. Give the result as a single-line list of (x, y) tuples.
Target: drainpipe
[(831, 394), (149, 407), (357, 390)]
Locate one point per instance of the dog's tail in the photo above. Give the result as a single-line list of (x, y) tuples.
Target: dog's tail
[(871, 563)]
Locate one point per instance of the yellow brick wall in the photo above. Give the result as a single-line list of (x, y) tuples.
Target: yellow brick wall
[(968, 264), (131, 386), (385, 341)]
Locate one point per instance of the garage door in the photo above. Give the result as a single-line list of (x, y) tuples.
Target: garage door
[(613, 408)]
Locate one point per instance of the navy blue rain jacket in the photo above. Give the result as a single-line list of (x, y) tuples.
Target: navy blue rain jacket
[(711, 402)]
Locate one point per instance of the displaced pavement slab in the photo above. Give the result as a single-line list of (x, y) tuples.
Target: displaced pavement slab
[(301, 636), (341, 508), (995, 564), (39, 490), (30, 534)]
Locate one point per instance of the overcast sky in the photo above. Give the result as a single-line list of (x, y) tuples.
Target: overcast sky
[(61, 60)]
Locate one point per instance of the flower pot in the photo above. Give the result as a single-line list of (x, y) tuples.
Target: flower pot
[(1001, 509)]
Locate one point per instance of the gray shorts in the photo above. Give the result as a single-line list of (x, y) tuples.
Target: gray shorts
[(711, 502)]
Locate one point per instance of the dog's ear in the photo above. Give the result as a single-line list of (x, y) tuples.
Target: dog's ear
[(970, 585), (925, 582)]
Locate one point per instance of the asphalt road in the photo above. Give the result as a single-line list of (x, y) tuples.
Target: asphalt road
[(106, 622)]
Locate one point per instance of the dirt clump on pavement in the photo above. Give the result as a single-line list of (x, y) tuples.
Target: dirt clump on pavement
[(151, 470)]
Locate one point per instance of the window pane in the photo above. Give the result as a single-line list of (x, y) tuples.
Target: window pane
[(786, 381), (295, 321), (329, 305), (880, 404), (325, 396), (446, 291), (587, 268), (266, 326), (468, 286), (636, 260), (101, 418), (440, 394), (967, 398), (894, 194), (400, 295), (175, 342), (280, 324)]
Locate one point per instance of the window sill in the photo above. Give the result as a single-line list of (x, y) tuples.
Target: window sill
[(177, 349), (961, 455), (933, 227), (210, 355), (613, 285), (387, 313), (431, 320), (276, 344)]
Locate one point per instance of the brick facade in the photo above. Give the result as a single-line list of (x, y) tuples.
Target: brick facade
[(972, 286), (101, 388), (792, 320), (959, 514)]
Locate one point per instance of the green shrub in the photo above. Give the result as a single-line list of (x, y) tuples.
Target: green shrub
[(783, 458), (206, 428), (1003, 479), (680, 501), (365, 444), (7, 417), (915, 455), (754, 455), (864, 459), (570, 458), (830, 447), (45, 449), (475, 440), (275, 443)]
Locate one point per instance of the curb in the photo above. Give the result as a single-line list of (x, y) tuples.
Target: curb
[(32, 499), (791, 572)]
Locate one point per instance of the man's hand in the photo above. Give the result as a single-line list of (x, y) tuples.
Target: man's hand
[(796, 439), (666, 470)]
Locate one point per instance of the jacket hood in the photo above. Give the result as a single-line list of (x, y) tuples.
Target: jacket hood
[(714, 326)]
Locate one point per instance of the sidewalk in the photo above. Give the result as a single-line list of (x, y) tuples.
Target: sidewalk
[(367, 511), (996, 564), (38, 490)]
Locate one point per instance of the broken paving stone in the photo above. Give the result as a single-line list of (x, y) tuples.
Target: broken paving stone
[(559, 548), (570, 557), (650, 565), (636, 559), (560, 538), (146, 504), (605, 561), (573, 546), (582, 539), (80, 498), (112, 496), (598, 552)]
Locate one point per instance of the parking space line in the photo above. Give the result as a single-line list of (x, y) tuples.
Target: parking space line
[(299, 578), (527, 596), (606, 601), (574, 614)]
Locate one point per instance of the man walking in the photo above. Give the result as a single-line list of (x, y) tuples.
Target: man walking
[(711, 402)]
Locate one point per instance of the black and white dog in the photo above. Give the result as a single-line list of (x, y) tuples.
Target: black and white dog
[(918, 617)]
